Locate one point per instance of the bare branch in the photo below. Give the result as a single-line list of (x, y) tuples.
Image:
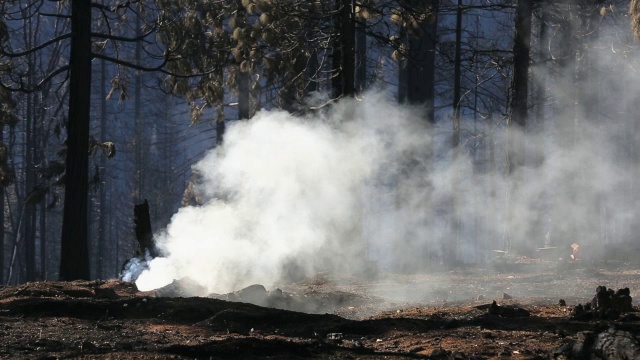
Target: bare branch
[(132, 65), (124, 38), (103, 7), (158, 68), (36, 48), (52, 75)]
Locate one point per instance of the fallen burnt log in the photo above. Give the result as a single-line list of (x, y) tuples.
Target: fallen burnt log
[(507, 311), (612, 344)]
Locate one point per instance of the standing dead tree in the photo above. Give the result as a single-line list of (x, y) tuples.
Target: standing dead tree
[(144, 235)]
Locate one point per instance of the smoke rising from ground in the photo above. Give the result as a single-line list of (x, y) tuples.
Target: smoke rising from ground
[(283, 194), (288, 196)]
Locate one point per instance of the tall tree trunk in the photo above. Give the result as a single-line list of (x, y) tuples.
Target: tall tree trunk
[(421, 60), (588, 228), (544, 56), (74, 254), (244, 95), (517, 121), (416, 76), (139, 121), (454, 243), (311, 75), (536, 126), (3, 153), (403, 70), (28, 230), (103, 165), (43, 240), (243, 77), (344, 51), (220, 118), (361, 57)]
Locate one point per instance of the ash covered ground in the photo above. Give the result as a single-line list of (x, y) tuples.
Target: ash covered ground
[(443, 315)]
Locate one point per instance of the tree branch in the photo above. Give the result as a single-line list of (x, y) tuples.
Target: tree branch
[(52, 75), (158, 68), (124, 38), (103, 7), (36, 48)]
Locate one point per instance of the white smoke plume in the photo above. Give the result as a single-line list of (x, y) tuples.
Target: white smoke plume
[(287, 196), (283, 194)]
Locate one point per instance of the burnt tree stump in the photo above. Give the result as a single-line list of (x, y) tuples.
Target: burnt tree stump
[(144, 235)]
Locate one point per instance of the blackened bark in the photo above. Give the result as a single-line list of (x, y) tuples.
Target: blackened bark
[(220, 118), (421, 63), (311, 74), (519, 105), (244, 78), (28, 230), (3, 156), (344, 52), (74, 255), (144, 234), (43, 241), (244, 86), (220, 129), (361, 58), (516, 124), (103, 164), (454, 242)]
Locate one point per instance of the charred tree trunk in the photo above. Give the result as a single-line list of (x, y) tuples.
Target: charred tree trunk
[(244, 96), (28, 230), (220, 118), (243, 74), (517, 120), (103, 164), (403, 70), (344, 51), (74, 254), (144, 235), (361, 57), (454, 243), (43, 241), (421, 61), (139, 121), (4, 153)]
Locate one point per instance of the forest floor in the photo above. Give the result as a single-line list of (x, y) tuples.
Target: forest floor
[(444, 315)]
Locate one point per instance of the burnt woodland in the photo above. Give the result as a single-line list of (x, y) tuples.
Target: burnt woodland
[(312, 179)]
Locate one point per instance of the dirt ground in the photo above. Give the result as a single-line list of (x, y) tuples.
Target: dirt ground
[(445, 315)]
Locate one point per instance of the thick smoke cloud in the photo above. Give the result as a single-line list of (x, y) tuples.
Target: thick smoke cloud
[(369, 182), (283, 196)]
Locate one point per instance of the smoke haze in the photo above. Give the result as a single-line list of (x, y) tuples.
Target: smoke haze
[(370, 182)]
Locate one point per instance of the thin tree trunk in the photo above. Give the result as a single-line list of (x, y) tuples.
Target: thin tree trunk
[(454, 242), (43, 240), (28, 231), (2, 210), (403, 70), (220, 118), (361, 57), (139, 120), (348, 48), (74, 254), (103, 165)]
